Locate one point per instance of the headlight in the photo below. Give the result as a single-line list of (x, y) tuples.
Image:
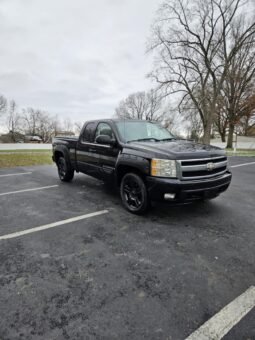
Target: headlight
[(163, 168)]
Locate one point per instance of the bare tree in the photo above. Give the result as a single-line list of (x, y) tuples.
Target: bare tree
[(31, 122), (68, 125), (239, 85), (45, 126), (3, 104), (247, 121), (154, 106), (56, 125), (141, 105), (194, 124), (78, 127), (173, 120), (194, 50), (31, 118), (13, 120), (221, 123), (40, 123)]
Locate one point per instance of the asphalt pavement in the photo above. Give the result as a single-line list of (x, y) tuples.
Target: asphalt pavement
[(114, 275)]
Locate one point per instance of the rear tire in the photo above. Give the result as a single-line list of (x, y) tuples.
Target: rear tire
[(65, 171), (134, 193)]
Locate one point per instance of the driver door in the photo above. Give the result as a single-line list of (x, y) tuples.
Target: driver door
[(86, 153), (108, 154)]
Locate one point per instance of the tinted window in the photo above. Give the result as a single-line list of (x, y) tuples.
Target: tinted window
[(104, 129), (88, 133)]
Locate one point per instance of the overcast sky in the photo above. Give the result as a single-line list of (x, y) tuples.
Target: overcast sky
[(74, 58)]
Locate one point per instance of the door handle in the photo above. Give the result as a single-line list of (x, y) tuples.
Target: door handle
[(92, 150)]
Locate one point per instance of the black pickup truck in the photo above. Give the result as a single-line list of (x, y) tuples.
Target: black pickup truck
[(145, 161)]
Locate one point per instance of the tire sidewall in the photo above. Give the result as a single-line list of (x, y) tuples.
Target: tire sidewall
[(141, 184), (69, 172)]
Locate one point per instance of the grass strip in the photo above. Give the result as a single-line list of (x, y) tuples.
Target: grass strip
[(9, 160)]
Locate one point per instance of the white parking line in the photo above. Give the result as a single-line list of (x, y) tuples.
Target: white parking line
[(236, 166), (26, 190), (221, 323), (16, 174), (52, 225)]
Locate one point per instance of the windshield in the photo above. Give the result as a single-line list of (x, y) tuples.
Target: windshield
[(142, 131)]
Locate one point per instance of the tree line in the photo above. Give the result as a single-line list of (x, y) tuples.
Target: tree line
[(203, 71), (204, 61), (149, 105), (33, 122)]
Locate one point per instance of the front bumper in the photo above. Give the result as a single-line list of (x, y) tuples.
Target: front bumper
[(187, 190)]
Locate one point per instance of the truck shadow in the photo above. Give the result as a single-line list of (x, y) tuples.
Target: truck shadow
[(183, 211), (157, 211)]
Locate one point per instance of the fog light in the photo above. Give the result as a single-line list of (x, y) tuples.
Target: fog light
[(169, 196)]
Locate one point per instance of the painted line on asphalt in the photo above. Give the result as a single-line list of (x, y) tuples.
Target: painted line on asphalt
[(236, 166), (52, 225), (16, 174), (26, 190), (221, 323)]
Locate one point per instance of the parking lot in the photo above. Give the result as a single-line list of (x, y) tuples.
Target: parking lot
[(94, 271)]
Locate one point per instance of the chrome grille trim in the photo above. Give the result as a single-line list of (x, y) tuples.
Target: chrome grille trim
[(204, 177), (185, 170), (203, 166), (201, 159)]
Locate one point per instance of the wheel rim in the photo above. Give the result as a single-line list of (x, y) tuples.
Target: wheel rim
[(132, 193), (61, 168)]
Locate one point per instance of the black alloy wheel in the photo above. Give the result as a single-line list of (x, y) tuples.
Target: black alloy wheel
[(134, 194), (65, 172)]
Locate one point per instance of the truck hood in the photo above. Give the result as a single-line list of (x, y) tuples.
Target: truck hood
[(176, 149)]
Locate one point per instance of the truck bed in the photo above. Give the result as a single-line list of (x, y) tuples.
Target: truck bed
[(69, 141)]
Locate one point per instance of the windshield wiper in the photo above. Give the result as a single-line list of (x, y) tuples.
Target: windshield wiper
[(144, 139), (166, 139)]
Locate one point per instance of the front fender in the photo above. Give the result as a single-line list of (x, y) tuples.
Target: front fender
[(129, 163), (63, 150)]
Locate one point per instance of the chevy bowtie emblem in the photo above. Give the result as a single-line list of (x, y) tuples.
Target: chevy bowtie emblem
[(210, 166)]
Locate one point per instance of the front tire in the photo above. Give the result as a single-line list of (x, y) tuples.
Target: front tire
[(134, 193), (65, 171)]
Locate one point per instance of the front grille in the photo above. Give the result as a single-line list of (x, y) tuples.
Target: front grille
[(192, 169)]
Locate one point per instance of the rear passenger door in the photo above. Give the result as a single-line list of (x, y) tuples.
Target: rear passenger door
[(86, 152), (107, 153)]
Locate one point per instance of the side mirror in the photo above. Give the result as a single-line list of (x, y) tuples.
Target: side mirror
[(105, 139)]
